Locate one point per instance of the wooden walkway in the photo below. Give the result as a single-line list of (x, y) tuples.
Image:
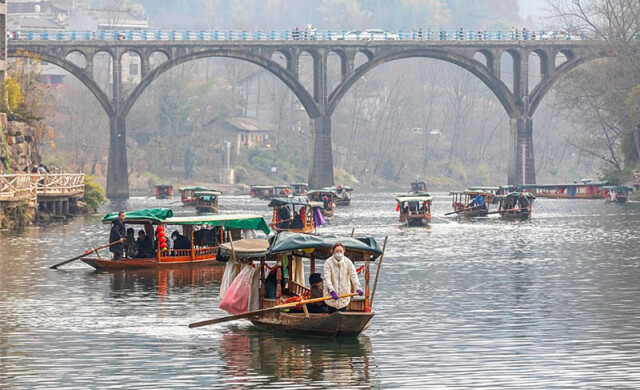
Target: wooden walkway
[(15, 188)]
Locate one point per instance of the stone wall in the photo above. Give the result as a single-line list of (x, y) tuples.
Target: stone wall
[(17, 140)]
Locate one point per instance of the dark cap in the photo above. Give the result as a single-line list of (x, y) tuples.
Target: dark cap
[(315, 278)]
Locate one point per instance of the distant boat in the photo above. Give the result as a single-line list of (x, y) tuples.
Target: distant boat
[(509, 208), (616, 194), (188, 194), (418, 187), (207, 201), (415, 209), (585, 190), (164, 191), (305, 221), (327, 197), (299, 189), (464, 204), (343, 195)]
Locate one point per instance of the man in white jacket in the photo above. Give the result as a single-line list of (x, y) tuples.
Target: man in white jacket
[(339, 274)]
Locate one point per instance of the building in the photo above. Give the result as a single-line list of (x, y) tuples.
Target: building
[(242, 132)]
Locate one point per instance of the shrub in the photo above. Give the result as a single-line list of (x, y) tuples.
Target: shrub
[(93, 193)]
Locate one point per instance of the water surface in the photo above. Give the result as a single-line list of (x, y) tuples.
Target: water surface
[(548, 303)]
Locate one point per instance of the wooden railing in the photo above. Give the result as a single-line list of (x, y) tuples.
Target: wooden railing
[(56, 184), (17, 188), (30, 186)]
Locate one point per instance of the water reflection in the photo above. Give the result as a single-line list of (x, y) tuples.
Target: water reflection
[(163, 281), (294, 360)]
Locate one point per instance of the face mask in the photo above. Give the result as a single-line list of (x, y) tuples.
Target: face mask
[(338, 256)]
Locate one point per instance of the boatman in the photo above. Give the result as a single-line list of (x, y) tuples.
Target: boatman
[(118, 234), (338, 272), (523, 202)]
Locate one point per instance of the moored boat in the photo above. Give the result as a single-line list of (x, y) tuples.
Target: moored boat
[(515, 205), (471, 203), (204, 235), (303, 220), (207, 201), (188, 194), (616, 194), (587, 189), (415, 209), (287, 253), (282, 190), (164, 191), (326, 196)]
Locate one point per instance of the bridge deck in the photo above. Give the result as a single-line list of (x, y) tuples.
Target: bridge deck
[(15, 188)]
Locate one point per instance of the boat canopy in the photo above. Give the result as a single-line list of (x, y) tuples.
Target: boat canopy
[(327, 191), (244, 249), (261, 187), (193, 188), (618, 188), (143, 215), (282, 186), (475, 191), (516, 194), (233, 221), (288, 242), (345, 188), (298, 184), (414, 198), (208, 193), (565, 185), (297, 201)]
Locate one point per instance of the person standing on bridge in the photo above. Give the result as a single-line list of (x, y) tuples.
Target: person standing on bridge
[(118, 234)]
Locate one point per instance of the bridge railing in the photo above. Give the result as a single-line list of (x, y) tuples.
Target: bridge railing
[(17, 188), (294, 35)]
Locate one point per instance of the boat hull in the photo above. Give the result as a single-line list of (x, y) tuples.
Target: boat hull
[(108, 265), (473, 214), (516, 216), (338, 324), (415, 221)]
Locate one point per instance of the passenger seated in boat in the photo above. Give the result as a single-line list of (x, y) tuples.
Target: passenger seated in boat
[(317, 291), (413, 207), (130, 248), (145, 247), (297, 221), (478, 203), (180, 241), (270, 284)]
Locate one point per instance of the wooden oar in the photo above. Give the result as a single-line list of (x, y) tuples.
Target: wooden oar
[(375, 283), (506, 211), (459, 211), (262, 311), (82, 255)]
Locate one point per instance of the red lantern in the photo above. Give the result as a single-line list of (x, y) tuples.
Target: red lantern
[(159, 229), (162, 240)]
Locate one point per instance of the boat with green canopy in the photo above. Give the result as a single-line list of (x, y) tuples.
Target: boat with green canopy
[(515, 205), (327, 197), (283, 265), (188, 194), (415, 209), (343, 195), (616, 194), (201, 237), (285, 217)]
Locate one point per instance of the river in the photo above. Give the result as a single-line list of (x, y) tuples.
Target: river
[(546, 303)]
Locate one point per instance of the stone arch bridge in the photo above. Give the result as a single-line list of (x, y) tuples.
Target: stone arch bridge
[(519, 100)]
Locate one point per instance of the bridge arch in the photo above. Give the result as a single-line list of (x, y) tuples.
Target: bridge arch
[(75, 70), (500, 90), (273, 67)]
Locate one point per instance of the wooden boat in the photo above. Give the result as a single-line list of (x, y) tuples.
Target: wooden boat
[(343, 195), (188, 194), (262, 192), (282, 191), (415, 209), (418, 187), (164, 191), (292, 246), (585, 190), (205, 233), (616, 194), (307, 210), (509, 209), (327, 197), (207, 201), (464, 204), (299, 189)]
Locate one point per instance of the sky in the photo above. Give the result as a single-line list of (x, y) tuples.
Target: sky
[(533, 8)]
